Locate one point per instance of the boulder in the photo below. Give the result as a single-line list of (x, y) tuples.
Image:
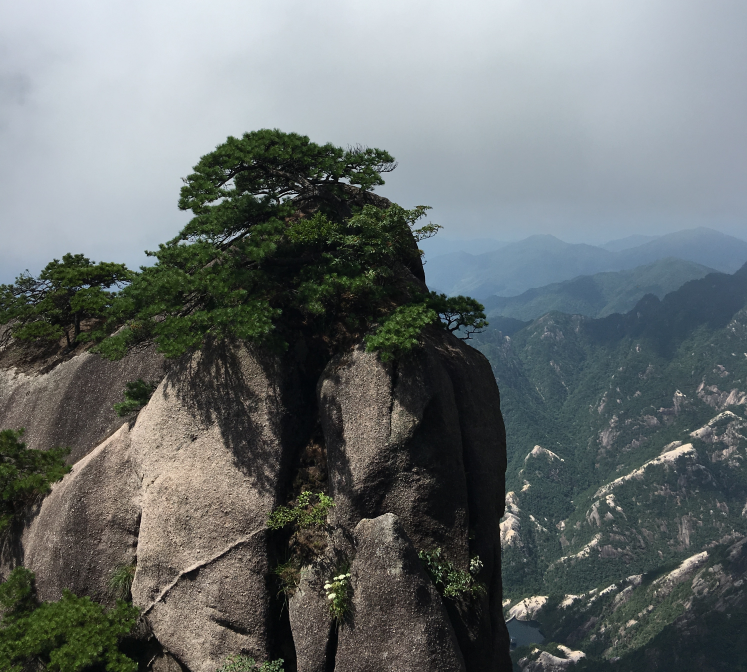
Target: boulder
[(71, 405), (214, 449), (423, 438), (87, 527), (397, 620)]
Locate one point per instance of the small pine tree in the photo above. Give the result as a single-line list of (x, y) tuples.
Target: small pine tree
[(56, 303), (25, 474)]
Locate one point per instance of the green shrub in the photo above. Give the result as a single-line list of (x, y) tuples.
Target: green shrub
[(289, 575), (450, 581), (120, 582), (56, 303), (25, 474), (240, 663), (70, 635), (303, 514), (339, 593), (136, 394)]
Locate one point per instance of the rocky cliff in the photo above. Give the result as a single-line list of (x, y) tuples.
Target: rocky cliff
[(412, 453)]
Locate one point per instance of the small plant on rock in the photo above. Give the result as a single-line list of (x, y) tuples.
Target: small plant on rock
[(239, 663), (304, 513), (289, 575), (136, 394), (339, 592), (450, 581), (120, 582)]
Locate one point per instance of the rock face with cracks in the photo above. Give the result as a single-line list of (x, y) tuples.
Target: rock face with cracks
[(414, 458), (397, 621)]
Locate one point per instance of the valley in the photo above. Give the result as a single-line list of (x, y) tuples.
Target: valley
[(626, 506)]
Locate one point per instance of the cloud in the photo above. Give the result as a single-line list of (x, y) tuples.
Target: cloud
[(590, 119)]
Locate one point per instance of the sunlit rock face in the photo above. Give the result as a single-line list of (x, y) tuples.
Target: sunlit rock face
[(412, 452)]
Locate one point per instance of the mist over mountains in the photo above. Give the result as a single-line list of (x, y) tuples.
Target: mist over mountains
[(541, 260), (600, 294)]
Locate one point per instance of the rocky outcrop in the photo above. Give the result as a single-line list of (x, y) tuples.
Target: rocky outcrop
[(424, 439), (313, 628), (415, 453), (397, 619), (213, 449), (88, 526), (544, 661), (71, 404)]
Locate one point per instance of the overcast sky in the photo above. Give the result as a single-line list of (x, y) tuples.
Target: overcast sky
[(588, 119)]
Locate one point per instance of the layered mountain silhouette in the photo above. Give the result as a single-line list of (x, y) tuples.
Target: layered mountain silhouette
[(600, 294), (544, 259)]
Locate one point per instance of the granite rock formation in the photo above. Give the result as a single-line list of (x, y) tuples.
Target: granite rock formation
[(413, 454)]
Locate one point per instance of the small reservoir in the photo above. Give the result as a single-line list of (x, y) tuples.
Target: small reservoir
[(523, 633)]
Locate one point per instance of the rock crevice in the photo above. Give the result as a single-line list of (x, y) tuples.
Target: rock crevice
[(413, 456)]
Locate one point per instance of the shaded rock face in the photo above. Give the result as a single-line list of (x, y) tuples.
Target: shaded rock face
[(397, 620), (415, 453), (71, 405), (424, 439)]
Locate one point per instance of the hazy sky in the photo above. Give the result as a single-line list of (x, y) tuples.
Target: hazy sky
[(589, 119)]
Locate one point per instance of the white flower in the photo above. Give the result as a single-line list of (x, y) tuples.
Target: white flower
[(327, 586), (331, 596), (475, 565), (347, 576)]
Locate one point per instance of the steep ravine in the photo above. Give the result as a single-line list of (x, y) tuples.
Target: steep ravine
[(413, 455)]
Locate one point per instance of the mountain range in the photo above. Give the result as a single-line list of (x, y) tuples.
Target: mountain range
[(544, 259), (600, 294), (625, 532)]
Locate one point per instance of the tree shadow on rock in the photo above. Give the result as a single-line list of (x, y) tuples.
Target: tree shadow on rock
[(260, 403)]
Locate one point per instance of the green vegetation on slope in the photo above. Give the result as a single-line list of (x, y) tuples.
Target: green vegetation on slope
[(641, 418), (71, 635), (26, 475)]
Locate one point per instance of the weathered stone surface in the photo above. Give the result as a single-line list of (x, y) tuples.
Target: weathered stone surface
[(88, 525), (416, 460), (213, 449), (165, 663), (424, 439), (397, 619), (311, 622), (394, 445), (71, 405)]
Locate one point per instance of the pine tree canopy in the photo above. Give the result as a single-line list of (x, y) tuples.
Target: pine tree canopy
[(286, 236), (65, 293)]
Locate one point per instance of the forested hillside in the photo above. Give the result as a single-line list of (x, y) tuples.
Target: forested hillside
[(626, 457)]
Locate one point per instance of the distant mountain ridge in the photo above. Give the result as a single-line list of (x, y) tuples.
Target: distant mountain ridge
[(628, 242), (625, 532), (544, 259), (600, 294)]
